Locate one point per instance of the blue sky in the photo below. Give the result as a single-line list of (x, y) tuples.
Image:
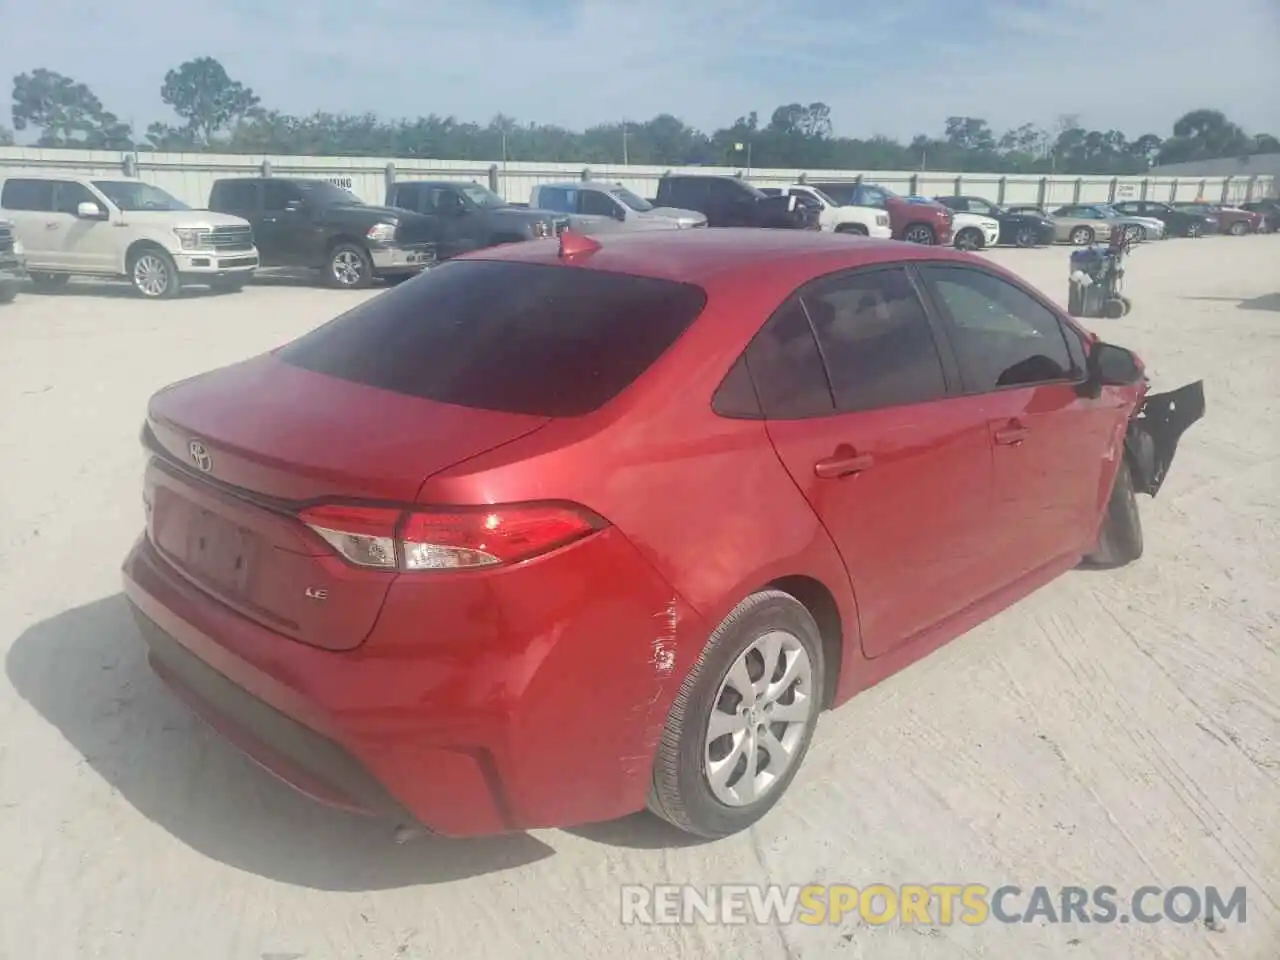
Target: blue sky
[(893, 67)]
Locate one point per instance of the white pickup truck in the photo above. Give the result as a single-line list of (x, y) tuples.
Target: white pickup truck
[(597, 207), (834, 218)]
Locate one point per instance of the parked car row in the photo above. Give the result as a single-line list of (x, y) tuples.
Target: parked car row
[(118, 227)]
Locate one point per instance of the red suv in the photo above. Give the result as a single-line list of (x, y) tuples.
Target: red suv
[(926, 223), (555, 532)]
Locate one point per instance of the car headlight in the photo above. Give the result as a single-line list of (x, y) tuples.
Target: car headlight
[(381, 233), (881, 220), (193, 238)]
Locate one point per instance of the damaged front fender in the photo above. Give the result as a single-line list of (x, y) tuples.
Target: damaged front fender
[(1154, 430)]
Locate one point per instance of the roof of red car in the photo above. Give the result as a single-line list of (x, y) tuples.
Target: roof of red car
[(695, 256)]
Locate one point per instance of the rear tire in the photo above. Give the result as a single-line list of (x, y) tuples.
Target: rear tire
[(1120, 540), (714, 774), (1082, 236), (1238, 229)]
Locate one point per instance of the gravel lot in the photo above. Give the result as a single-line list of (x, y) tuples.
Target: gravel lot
[(1116, 728)]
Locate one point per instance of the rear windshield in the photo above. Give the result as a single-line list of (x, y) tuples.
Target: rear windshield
[(522, 338)]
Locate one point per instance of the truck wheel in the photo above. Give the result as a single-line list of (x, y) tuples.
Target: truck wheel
[(970, 238), (742, 721), (920, 233), (349, 267), (1120, 541), (1082, 236), (856, 229), (47, 282), (154, 274)]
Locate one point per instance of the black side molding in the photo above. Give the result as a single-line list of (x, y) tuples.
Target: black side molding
[(1154, 431)]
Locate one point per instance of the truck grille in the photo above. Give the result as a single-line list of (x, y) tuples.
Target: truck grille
[(6, 238), (232, 239)]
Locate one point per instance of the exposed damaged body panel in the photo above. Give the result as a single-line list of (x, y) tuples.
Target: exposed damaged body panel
[(1154, 431)]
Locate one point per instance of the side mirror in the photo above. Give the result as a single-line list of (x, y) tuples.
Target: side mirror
[(90, 211), (619, 213), (1111, 366)]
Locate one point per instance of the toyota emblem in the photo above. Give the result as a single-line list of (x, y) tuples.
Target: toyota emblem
[(200, 456)]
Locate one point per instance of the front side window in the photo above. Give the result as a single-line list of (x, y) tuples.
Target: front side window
[(68, 195), (597, 203), (876, 339), (1002, 336), (134, 195), (27, 194)]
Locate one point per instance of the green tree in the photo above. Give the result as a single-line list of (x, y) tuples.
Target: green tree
[(66, 112), (1204, 134), (202, 94)]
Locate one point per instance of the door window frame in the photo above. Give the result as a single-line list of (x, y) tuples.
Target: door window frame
[(1072, 339), (953, 384)]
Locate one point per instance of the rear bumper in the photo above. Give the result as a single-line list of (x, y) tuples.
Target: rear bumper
[(533, 697)]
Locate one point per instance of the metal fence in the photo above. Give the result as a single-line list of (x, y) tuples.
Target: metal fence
[(188, 176)]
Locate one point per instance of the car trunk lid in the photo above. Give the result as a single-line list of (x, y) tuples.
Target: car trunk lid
[(241, 449)]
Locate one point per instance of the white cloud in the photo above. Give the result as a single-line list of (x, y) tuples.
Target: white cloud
[(894, 68)]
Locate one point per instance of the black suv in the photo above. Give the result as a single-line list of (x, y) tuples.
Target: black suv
[(319, 226), (468, 216), (731, 202)]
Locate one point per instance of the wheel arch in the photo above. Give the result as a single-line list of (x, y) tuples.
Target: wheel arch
[(342, 237), (135, 249), (815, 597)]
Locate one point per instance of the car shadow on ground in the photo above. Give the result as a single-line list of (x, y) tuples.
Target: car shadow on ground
[(1268, 301), (114, 289), (84, 671)]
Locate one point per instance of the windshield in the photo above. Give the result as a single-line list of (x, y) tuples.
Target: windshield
[(639, 204), (325, 194), (482, 197), (132, 195)]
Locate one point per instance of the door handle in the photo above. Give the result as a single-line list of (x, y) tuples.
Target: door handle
[(1012, 435), (843, 463)]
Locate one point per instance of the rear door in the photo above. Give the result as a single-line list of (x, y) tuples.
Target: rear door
[(1050, 443), (855, 392), (28, 202)]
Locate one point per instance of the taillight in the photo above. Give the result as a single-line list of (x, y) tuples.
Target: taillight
[(448, 538)]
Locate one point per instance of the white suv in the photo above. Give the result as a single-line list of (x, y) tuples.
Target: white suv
[(867, 221), (119, 227)]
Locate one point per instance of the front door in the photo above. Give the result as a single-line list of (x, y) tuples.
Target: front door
[(284, 228), (856, 393), (1049, 442), (88, 245)]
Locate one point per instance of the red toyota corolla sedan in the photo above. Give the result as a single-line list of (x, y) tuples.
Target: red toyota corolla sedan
[(555, 532)]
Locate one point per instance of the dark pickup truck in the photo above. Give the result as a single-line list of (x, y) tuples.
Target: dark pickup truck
[(469, 216), (316, 225), (731, 202)]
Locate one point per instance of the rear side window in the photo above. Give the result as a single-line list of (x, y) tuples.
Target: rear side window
[(26, 194), (1002, 336), (406, 196), (559, 199), (876, 339), (517, 337), (234, 195), (786, 367)]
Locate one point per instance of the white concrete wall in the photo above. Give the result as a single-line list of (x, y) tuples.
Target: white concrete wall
[(189, 176)]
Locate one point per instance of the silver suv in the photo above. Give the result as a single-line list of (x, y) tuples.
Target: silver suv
[(121, 227)]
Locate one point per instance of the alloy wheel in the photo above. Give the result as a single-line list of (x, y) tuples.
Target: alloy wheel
[(918, 234), (151, 275), (348, 268), (758, 721)]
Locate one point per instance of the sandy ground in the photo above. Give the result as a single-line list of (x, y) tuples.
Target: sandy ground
[(1116, 728)]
